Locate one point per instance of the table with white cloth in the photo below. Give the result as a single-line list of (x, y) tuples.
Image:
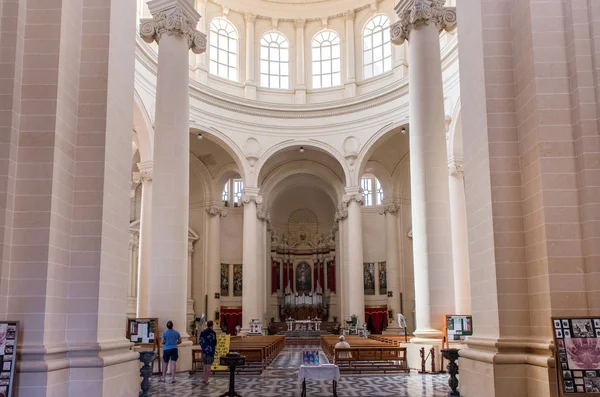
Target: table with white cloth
[(319, 372)]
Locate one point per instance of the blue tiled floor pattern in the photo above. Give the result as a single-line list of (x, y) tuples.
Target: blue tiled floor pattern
[(280, 380)]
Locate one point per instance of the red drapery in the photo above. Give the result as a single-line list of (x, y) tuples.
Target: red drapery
[(315, 275), (274, 278), (376, 318), (291, 276), (322, 275), (231, 316), (331, 275), (285, 275)]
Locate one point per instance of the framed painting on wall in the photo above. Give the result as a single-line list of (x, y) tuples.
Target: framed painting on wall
[(224, 279), (382, 278), (237, 280), (369, 278), (303, 278)]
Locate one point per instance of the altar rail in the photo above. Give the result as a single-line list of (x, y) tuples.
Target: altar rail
[(395, 340), (365, 355)]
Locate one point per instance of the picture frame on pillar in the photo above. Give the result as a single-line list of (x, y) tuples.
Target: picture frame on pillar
[(369, 278), (237, 280)]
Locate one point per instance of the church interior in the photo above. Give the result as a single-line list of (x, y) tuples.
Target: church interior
[(419, 179)]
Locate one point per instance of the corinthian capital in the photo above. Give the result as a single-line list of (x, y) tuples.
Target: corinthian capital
[(173, 17), (142, 176), (251, 198), (413, 13), (215, 210), (249, 17), (456, 169), (348, 198), (391, 208), (349, 15), (300, 23), (263, 215)]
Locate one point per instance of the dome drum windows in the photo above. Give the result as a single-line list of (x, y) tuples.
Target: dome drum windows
[(274, 61), (223, 49), (377, 47), (326, 60)]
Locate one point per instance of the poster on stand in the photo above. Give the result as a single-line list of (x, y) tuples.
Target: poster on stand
[(577, 341), (458, 327)]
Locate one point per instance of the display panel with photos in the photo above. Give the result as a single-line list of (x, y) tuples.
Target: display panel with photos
[(577, 342), (457, 327), (9, 331), (141, 330)]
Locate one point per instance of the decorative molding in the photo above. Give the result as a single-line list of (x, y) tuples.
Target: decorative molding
[(414, 13), (142, 177), (171, 18), (390, 209), (410, 233), (348, 198), (340, 215), (251, 198), (215, 210), (300, 23), (456, 169), (250, 17), (263, 215), (350, 15)]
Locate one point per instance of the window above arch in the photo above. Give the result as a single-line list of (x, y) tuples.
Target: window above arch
[(377, 47), (274, 61), (223, 49), (326, 60), (232, 192), (371, 190)]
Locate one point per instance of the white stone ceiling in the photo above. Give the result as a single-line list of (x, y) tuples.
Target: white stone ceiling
[(294, 9)]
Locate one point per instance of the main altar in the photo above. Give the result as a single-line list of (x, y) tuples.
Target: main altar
[(303, 325)]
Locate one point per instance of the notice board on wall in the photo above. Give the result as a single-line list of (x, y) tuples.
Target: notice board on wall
[(142, 330), (458, 327), (577, 341), (9, 332)]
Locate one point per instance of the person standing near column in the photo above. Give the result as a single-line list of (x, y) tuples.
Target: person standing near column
[(208, 342), (170, 339)]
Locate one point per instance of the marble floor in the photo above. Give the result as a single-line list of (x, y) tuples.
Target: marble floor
[(281, 379)]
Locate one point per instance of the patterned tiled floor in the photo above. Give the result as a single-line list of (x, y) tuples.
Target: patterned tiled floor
[(281, 380)]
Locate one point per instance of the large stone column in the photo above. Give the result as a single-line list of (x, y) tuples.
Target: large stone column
[(460, 240), (145, 178), (250, 84), (350, 87), (355, 295), (300, 62), (251, 302), (263, 220), (213, 264), (391, 257), (173, 27), (420, 24)]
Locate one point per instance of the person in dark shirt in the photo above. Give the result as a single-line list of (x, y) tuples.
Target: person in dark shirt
[(208, 342), (170, 339)]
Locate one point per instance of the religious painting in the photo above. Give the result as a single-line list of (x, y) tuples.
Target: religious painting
[(369, 275), (578, 352), (303, 278), (224, 279), (237, 280), (382, 278)]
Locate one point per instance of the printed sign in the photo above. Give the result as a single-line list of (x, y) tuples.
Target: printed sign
[(221, 350), (9, 331), (578, 354)]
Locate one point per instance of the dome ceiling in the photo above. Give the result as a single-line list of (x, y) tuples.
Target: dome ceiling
[(294, 9)]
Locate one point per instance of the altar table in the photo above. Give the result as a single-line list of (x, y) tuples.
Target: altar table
[(319, 372)]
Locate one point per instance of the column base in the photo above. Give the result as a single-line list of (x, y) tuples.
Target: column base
[(350, 90), (300, 96), (91, 370), (507, 367), (425, 334), (250, 90)]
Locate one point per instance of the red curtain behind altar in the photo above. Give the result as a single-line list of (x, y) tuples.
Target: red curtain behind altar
[(331, 275), (231, 316), (376, 318)]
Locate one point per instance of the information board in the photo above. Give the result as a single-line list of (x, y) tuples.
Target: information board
[(9, 332), (221, 350), (141, 330), (458, 327), (577, 341)]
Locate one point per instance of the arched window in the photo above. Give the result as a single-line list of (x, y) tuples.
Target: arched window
[(235, 186), (223, 49), (326, 63), (377, 47), (274, 61), (371, 190)]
